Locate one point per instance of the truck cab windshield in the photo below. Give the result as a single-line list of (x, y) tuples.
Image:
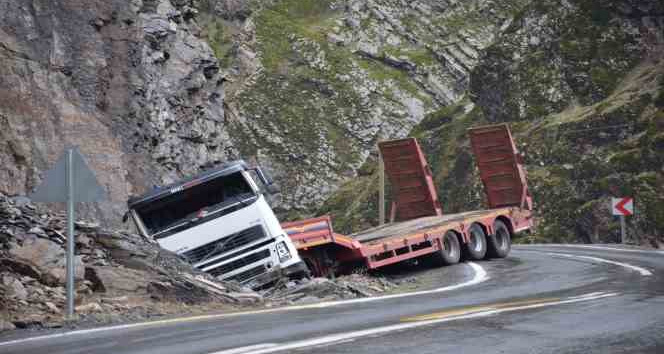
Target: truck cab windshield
[(196, 204)]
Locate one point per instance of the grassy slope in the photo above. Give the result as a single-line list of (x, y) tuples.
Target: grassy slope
[(604, 138)]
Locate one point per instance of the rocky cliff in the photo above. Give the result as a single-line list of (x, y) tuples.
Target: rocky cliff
[(581, 84), (153, 90), (130, 82)]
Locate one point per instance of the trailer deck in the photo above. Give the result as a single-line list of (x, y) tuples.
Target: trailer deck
[(430, 224), (417, 225)]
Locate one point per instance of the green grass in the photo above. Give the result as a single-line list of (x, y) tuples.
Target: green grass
[(382, 72), (220, 38), (420, 56), (274, 25)]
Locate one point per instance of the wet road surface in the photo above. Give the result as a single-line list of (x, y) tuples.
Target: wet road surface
[(541, 299)]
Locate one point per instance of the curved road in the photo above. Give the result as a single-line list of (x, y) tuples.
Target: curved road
[(541, 299)]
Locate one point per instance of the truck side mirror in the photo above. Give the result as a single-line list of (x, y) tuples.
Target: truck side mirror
[(265, 179)]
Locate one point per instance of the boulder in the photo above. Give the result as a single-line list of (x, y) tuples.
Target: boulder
[(6, 325), (245, 298), (401, 62), (88, 308), (86, 226), (58, 275), (353, 22), (368, 49), (14, 288), (39, 252), (52, 307), (116, 280), (336, 39), (20, 267), (157, 27)]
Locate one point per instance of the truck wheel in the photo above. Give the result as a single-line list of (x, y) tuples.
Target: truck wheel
[(450, 254), (499, 243), (475, 248)]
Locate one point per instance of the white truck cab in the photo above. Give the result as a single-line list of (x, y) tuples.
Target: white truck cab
[(221, 223)]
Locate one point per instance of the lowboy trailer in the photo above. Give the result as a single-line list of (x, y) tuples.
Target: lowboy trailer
[(418, 228)]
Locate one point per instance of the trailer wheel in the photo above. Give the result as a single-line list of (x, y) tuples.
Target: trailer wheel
[(475, 248), (499, 243), (450, 254)]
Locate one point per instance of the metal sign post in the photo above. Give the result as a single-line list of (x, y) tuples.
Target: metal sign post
[(70, 233), (623, 235), (70, 181), (622, 207)]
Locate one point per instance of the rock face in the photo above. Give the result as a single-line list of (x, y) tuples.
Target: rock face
[(153, 90), (130, 82), (330, 78), (47, 258)]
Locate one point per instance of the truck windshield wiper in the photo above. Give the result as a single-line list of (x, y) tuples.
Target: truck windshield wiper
[(175, 226), (240, 199)]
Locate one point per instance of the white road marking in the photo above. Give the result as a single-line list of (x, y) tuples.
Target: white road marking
[(644, 272), (480, 275), (606, 248), (247, 349), (346, 336)]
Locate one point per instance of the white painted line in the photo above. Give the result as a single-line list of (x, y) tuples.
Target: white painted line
[(607, 248), (479, 276), (644, 272), (247, 349), (347, 336)]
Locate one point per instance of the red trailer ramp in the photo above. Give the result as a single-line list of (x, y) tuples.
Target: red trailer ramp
[(413, 192), (501, 167)]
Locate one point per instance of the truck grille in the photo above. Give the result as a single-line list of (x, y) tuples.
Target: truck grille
[(226, 244), (249, 274), (229, 267)]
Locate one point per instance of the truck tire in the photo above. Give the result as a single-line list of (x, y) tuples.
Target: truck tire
[(499, 244), (450, 254), (475, 248)]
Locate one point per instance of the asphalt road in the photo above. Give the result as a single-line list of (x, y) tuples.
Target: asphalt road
[(541, 299)]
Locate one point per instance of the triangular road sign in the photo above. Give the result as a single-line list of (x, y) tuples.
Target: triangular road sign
[(54, 186)]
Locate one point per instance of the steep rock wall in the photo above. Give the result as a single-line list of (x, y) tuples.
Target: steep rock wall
[(129, 82)]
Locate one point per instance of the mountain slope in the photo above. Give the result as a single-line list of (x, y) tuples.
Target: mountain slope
[(154, 90), (581, 85)]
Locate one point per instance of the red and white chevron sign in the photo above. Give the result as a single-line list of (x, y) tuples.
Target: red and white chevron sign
[(622, 206)]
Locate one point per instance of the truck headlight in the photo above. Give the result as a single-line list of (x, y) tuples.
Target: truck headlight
[(283, 252)]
